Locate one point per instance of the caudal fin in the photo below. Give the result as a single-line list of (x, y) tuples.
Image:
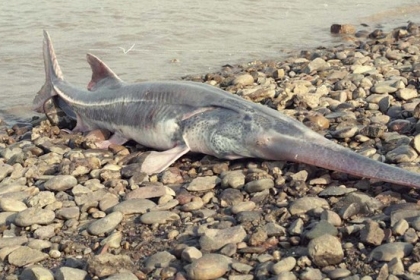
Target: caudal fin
[(102, 75), (52, 74)]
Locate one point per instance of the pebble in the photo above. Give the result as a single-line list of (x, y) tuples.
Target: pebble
[(305, 204), (33, 216), (60, 183), (243, 206), (190, 254), (233, 179), (106, 224), (321, 228), (325, 250), (160, 259), (158, 217), (150, 192), (107, 264), (69, 273), (387, 252), (122, 276), (214, 239), (284, 265), (209, 266), (36, 272), (372, 233), (244, 80), (134, 206), (12, 205), (339, 273), (203, 183), (24, 255), (259, 185)]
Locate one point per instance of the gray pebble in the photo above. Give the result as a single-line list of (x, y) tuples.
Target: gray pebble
[(69, 273), (159, 217), (190, 254), (36, 272), (33, 216), (284, 265), (209, 266), (311, 274), (60, 183), (325, 250), (106, 224), (339, 273), (214, 239), (24, 255), (12, 205), (243, 206), (68, 213), (321, 228), (305, 204), (234, 179), (134, 206), (203, 183), (387, 252), (259, 185), (160, 259), (122, 276)]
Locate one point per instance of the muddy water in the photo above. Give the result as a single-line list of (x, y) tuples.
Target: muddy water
[(157, 40)]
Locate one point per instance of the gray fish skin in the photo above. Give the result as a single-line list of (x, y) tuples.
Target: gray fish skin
[(179, 117)]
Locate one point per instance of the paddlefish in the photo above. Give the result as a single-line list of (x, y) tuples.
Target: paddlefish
[(177, 117)]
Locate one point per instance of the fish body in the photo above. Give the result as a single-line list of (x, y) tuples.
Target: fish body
[(181, 117)]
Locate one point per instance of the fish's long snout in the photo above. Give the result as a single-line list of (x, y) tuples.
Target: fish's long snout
[(52, 73), (324, 153)]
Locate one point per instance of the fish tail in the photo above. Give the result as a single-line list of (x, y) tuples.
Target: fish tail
[(53, 74)]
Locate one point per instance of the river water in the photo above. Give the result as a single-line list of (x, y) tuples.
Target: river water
[(165, 40)]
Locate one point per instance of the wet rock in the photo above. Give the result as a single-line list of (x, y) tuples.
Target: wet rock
[(325, 250), (343, 29), (318, 64), (209, 266)]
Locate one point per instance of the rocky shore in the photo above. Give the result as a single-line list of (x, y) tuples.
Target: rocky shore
[(70, 211)]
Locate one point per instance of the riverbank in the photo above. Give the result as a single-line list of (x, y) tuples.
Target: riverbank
[(79, 213)]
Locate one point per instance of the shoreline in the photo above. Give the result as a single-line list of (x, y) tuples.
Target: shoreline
[(77, 212)]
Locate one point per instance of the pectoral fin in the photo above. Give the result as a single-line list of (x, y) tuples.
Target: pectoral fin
[(115, 139), (156, 162)]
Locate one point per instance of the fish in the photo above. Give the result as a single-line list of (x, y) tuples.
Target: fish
[(177, 117)]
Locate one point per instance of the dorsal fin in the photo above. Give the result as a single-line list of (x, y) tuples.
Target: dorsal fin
[(102, 75)]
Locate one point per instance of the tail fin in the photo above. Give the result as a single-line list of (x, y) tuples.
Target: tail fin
[(102, 75), (52, 74)]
